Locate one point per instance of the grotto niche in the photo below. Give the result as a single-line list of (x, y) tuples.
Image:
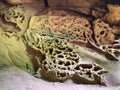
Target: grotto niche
[(72, 43)]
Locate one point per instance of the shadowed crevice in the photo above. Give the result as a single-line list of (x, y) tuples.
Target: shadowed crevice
[(46, 3)]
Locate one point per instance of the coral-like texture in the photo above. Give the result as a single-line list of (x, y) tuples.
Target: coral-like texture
[(64, 23), (56, 36), (107, 40), (103, 32), (62, 60), (76, 29), (19, 15), (16, 15), (70, 24)]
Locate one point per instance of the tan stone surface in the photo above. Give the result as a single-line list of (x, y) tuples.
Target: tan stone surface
[(113, 16)]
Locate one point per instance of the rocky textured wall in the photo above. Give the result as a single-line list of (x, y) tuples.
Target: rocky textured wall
[(83, 6), (51, 33)]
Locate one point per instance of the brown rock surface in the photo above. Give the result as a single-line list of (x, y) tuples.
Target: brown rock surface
[(82, 6), (103, 32), (19, 1), (113, 16)]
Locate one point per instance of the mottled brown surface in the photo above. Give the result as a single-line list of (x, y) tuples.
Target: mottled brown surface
[(19, 1), (93, 25), (82, 6), (113, 16)]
